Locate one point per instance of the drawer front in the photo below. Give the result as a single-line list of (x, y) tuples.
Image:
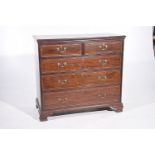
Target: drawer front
[(61, 50), (102, 62), (85, 79), (101, 78), (84, 97), (75, 64), (60, 65), (61, 81), (102, 47)]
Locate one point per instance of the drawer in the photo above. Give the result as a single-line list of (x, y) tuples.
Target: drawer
[(102, 62), (75, 64), (101, 78), (102, 47), (84, 79), (84, 97), (61, 50), (61, 81), (60, 65)]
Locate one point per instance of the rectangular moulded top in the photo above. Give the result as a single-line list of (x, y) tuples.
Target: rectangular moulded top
[(76, 36)]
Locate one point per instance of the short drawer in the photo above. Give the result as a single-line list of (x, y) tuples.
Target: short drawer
[(76, 64), (102, 47), (61, 65), (61, 50), (84, 79), (101, 78), (102, 62), (92, 96)]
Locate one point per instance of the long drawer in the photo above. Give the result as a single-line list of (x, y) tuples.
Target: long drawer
[(83, 79), (91, 96), (81, 63)]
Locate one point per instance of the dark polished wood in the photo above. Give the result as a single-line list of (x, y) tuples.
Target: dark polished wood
[(76, 80), (81, 63), (102, 46), (60, 50), (79, 74), (80, 97)]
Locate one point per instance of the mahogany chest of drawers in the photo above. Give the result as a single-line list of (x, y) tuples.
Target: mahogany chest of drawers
[(79, 73)]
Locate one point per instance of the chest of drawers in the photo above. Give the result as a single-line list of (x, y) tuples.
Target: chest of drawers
[(79, 73)]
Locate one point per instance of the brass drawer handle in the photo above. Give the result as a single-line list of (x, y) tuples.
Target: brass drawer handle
[(61, 49), (62, 65), (62, 82), (64, 48), (62, 99), (102, 95), (103, 62), (58, 49), (103, 78), (103, 47)]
